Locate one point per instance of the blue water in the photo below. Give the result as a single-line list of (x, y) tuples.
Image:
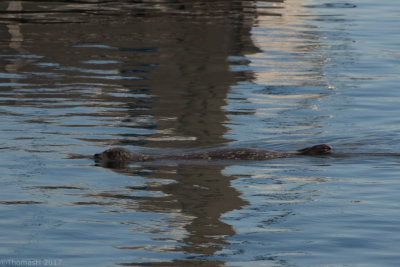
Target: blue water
[(77, 78)]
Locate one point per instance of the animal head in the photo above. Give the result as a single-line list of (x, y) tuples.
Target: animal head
[(316, 150), (115, 154)]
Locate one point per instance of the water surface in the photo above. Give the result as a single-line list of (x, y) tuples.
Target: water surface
[(78, 77)]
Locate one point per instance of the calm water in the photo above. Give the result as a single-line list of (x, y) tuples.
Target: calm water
[(78, 77)]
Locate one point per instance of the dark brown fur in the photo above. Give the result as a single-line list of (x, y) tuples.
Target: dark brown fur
[(122, 154)]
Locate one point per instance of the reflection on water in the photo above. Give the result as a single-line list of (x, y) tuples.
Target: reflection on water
[(165, 76), (198, 194), (131, 75), (98, 74)]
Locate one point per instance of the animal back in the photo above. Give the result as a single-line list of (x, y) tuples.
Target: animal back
[(237, 154)]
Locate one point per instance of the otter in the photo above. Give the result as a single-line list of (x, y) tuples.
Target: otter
[(123, 155)]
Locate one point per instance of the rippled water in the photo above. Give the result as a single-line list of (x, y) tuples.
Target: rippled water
[(78, 77)]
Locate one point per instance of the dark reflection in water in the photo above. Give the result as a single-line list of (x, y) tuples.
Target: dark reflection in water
[(165, 74), (200, 193), (131, 73)]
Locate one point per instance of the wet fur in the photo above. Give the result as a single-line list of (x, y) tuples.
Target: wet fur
[(123, 154)]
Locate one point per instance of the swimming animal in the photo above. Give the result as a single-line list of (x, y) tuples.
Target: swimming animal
[(123, 154)]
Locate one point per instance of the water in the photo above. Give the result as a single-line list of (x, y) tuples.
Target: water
[(161, 77)]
